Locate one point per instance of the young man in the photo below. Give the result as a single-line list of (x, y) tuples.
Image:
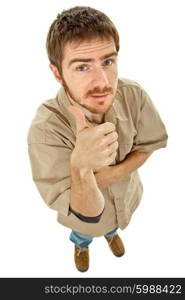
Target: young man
[(86, 144)]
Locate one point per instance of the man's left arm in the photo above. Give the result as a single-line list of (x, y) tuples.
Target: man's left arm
[(112, 174), (151, 135)]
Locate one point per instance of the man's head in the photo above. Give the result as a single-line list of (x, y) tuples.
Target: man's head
[(82, 46)]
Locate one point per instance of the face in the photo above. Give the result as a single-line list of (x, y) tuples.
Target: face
[(89, 73)]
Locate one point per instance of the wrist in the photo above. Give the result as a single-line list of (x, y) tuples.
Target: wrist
[(118, 172), (79, 169)]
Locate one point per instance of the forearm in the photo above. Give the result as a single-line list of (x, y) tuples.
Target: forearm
[(112, 174), (85, 196), (132, 162)]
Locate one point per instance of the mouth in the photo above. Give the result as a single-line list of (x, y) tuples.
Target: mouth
[(99, 96)]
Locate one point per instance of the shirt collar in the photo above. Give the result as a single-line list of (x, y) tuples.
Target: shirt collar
[(114, 112)]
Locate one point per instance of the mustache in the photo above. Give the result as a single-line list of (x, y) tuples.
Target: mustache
[(97, 90)]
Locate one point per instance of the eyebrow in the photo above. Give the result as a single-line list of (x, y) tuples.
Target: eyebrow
[(74, 60)]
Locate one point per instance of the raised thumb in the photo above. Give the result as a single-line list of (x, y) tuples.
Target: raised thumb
[(79, 117)]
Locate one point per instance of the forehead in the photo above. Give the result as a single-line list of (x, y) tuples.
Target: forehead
[(91, 48)]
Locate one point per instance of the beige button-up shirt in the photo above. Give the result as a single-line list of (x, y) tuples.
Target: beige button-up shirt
[(51, 140)]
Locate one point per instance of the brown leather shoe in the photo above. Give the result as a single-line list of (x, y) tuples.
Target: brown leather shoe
[(81, 257), (116, 245)]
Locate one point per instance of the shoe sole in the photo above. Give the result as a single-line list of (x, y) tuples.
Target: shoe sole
[(82, 270), (119, 255)]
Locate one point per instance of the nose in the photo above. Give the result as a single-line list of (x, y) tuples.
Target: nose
[(100, 78)]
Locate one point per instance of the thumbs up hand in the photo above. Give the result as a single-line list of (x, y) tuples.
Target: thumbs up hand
[(79, 117), (95, 147)]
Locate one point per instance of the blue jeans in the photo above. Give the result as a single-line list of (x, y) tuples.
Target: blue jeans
[(82, 240)]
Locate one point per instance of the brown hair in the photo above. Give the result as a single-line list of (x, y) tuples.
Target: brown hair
[(77, 23)]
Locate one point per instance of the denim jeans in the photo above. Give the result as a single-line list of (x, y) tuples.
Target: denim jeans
[(82, 240)]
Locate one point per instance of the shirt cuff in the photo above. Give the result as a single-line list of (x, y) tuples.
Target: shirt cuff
[(95, 219)]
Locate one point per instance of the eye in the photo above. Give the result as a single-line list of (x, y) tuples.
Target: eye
[(108, 62), (82, 68)]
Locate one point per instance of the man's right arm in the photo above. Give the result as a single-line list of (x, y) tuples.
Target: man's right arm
[(85, 196), (94, 148)]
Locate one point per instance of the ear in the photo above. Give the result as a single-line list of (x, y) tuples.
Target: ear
[(55, 72)]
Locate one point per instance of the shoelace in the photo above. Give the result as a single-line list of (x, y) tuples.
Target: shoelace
[(79, 250), (110, 240)]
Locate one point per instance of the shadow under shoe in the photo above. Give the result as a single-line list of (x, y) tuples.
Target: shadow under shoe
[(81, 256), (116, 245)]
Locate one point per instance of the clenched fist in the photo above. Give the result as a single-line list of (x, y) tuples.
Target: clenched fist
[(95, 147)]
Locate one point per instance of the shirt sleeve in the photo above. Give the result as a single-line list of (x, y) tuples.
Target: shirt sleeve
[(151, 132), (51, 173)]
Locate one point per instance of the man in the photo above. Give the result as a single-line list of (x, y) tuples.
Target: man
[(86, 144)]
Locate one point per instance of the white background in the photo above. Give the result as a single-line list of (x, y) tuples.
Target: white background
[(33, 243)]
